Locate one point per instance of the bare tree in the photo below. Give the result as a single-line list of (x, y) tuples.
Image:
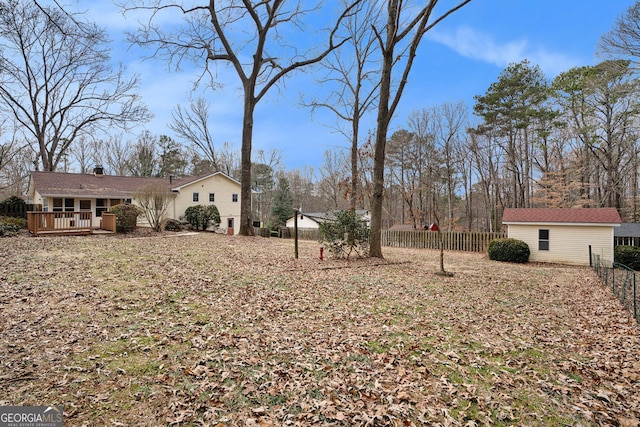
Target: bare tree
[(214, 33), (154, 201), (192, 125), (451, 123), (84, 154), (145, 159), (115, 154), (333, 176), (623, 41), (398, 43), (352, 70), (56, 82)]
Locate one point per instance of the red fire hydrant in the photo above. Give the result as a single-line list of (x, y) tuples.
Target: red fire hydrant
[(321, 249)]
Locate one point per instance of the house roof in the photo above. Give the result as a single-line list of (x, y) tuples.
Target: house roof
[(402, 227), (325, 216), (59, 184), (627, 229), (564, 216)]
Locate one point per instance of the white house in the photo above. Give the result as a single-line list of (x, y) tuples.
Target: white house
[(314, 219), (565, 236), (97, 192)]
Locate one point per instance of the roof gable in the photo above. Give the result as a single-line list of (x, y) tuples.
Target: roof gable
[(564, 216), (184, 182)]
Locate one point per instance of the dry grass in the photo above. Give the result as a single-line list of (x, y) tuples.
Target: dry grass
[(219, 330)]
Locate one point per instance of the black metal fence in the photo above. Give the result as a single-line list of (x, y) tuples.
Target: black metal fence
[(622, 281)]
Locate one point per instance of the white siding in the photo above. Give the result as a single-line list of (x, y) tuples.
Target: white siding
[(305, 222), (223, 188), (568, 244)]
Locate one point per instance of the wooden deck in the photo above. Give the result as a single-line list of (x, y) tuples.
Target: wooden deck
[(64, 223)]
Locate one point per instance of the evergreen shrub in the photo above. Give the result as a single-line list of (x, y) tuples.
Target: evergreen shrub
[(346, 234), (201, 217), (10, 226), (126, 217), (509, 250), (628, 256)]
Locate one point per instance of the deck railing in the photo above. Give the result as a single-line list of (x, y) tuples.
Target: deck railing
[(40, 223)]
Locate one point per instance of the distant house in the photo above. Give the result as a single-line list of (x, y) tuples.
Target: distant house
[(314, 219), (97, 193), (566, 236), (627, 234)]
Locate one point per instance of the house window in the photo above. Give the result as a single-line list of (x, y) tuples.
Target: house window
[(196, 197), (85, 205), (101, 206), (63, 205), (543, 240), (234, 197), (212, 197)]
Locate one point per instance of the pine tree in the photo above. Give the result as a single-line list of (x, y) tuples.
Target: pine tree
[(282, 205)]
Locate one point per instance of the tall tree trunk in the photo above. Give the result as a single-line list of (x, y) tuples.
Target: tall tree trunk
[(379, 150), (246, 225)]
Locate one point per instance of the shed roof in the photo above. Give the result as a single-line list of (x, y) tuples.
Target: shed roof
[(564, 216)]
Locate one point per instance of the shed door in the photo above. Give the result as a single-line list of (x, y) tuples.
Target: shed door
[(230, 226)]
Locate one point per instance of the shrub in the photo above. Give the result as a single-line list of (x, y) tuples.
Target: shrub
[(346, 234), (18, 222), (9, 226), (173, 225), (509, 250), (627, 255), (202, 217), (126, 217)]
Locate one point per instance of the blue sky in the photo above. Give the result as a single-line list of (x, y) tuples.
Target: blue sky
[(459, 59)]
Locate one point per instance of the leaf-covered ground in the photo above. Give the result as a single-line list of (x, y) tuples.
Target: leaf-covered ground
[(212, 330)]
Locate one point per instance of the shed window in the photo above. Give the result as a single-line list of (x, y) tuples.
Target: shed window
[(543, 240), (212, 197), (196, 197), (234, 198)]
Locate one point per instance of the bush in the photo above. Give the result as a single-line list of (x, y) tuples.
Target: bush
[(509, 250), (346, 234), (173, 225), (627, 255), (18, 222), (126, 217), (202, 217), (10, 226)]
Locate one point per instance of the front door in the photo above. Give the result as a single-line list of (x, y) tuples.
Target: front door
[(230, 226)]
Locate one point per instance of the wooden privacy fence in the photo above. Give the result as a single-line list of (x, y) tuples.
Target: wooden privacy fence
[(451, 240), (18, 210)]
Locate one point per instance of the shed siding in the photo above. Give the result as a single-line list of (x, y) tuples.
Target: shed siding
[(222, 187), (305, 222), (568, 244)]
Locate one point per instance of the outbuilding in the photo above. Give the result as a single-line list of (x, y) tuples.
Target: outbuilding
[(565, 236)]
